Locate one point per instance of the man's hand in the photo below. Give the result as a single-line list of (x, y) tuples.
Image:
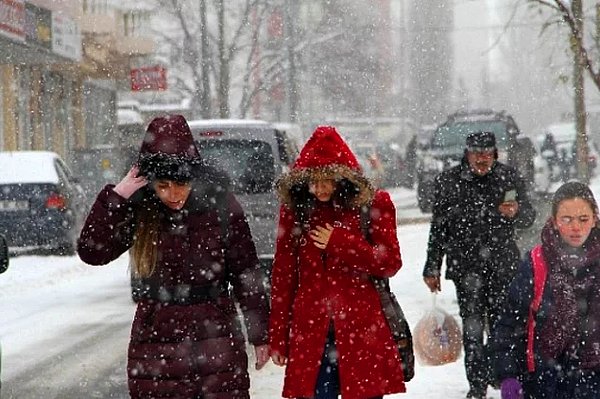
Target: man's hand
[(130, 183), (278, 358), (509, 209), (321, 235), (262, 355), (434, 283)]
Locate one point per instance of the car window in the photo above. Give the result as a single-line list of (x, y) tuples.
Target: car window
[(63, 173), (288, 150), (454, 135), (249, 163)]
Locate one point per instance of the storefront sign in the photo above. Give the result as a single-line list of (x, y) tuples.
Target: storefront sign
[(12, 19), (149, 78), (66, 37), (38, 26)]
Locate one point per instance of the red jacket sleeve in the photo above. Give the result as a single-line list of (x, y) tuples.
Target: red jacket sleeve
[(284, 281), (108, 229), (382, 257)]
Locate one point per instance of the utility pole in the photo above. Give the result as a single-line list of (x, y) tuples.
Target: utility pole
[(578, 86), (290, 38)]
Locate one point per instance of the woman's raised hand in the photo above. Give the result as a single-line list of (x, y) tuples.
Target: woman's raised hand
[(321, 235), (130, 183)]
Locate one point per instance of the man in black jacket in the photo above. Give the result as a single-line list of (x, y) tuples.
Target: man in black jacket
[(477, 206)]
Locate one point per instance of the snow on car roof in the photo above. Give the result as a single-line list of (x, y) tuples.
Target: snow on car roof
[(562, 131), (28, 167), (216, 123)]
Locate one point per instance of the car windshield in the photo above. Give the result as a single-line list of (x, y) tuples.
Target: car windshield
[(249, 163), (453, 136)]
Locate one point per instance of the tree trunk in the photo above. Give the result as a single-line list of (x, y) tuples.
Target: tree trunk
[(578, 86), (291, 53), (223, 94), (205, 64)]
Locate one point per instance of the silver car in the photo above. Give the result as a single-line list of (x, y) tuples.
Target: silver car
[(254, 154)]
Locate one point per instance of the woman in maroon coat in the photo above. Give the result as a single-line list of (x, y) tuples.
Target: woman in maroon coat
[(186, 338), (327, 326)]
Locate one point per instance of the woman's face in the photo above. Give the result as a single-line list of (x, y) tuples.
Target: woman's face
[(574, 221), (172, 193), (322, 189)]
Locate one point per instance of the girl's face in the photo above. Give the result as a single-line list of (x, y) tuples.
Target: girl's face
[(172, 193), (574, 221), (322, 189)]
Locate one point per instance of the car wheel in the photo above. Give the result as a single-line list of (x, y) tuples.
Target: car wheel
[(266, 266), (66, 249)]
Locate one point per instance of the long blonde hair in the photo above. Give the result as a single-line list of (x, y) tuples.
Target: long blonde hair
[(144, 252)]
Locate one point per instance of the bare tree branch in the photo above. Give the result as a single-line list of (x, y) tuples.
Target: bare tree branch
[(577, 44)]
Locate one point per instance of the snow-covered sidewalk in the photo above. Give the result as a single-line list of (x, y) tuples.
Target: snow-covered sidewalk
[(448, 381)]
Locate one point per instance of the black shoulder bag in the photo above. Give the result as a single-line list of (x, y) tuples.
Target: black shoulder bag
[(391, 309)]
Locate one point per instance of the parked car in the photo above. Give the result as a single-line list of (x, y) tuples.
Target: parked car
[(253, 153), (3, 267), (447, 146), (3, 254), (42, 205)]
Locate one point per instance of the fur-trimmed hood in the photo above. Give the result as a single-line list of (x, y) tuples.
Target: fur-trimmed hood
[(324, 156)]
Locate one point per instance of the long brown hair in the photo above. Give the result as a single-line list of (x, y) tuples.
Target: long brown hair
[(144, 252)]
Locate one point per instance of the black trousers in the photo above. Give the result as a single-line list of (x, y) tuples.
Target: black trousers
[(480, 300)]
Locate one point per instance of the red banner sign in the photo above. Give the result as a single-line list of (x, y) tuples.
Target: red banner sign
[(12, 19), (149, 78)]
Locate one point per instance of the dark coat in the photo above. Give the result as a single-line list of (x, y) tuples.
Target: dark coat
[(467, 227), (575, 317), (187, 350)]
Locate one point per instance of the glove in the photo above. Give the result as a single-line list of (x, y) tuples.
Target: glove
[(511, 389), (130, 183)]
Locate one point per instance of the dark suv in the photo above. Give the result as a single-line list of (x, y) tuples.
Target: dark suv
[(447, 144)]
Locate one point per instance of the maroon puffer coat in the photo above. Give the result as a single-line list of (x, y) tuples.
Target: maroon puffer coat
[(186, 350)]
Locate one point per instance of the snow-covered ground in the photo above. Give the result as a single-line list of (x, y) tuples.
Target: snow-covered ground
[(42, 297)]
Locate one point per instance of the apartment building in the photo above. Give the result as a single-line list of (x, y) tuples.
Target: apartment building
[(61, 64)]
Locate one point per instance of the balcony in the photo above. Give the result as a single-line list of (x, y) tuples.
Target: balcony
[(98, 24), (134, 45)]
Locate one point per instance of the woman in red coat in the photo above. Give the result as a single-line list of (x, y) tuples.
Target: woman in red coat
[(190, 242), (327, 326)]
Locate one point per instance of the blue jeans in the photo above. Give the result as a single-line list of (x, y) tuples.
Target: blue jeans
[(328, 379)]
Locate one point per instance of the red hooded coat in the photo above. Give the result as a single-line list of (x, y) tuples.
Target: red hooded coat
[(311, 288)]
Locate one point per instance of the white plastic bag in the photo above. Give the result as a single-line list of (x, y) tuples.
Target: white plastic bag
[(437, 338)]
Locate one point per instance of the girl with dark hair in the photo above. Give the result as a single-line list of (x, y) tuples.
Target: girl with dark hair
[(190, 243), (552, 350), (327, 326)]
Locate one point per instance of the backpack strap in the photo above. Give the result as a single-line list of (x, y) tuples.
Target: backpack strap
[(540, 271)]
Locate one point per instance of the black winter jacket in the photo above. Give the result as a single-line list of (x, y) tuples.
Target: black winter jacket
[(467, 227)]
